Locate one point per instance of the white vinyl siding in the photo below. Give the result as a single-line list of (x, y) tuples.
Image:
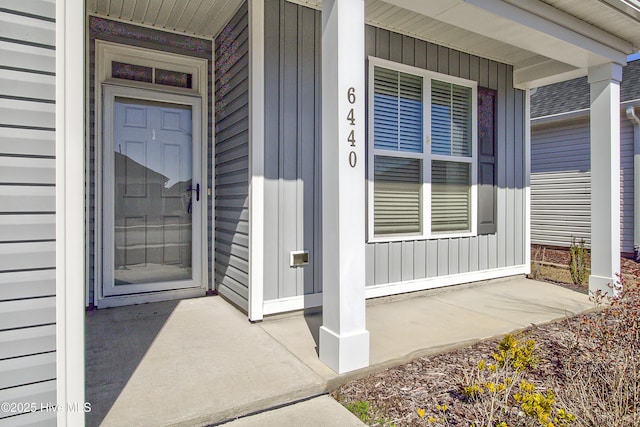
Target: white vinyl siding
[(27, 211)]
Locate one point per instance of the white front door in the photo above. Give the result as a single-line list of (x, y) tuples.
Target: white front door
[(152, 192)]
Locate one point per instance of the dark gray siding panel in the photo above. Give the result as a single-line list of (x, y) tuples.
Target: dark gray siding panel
[(292, 149), (232, 160), (27, 210), (394, 262), (126, 34), (561, 183)]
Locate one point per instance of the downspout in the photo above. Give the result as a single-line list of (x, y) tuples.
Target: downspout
[(631, 115)]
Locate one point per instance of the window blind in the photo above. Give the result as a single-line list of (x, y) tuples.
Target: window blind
[(397, 202), (397, 110), (450, 119), (450, 196)]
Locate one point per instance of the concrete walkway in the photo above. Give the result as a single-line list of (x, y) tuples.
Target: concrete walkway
[(199, 361)]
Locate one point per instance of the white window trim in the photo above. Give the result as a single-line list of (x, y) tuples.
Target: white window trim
[(425, 156)]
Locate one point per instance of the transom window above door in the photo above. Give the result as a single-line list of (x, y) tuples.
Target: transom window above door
[(149, 69), (422, 153), (140, 73)]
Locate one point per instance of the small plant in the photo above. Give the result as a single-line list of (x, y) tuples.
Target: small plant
[(360, 409), (490, 389), (536, 263), (540, 406), (440, 419), (367, 414), (578, 263)]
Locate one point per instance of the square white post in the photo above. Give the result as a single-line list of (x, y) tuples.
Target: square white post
[(70, 243), (604, 81), (344, 341)]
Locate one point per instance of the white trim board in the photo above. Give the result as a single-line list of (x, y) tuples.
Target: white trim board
[(527, 181), (302, 302), (70, 199), (576, 114), (442, 281), (256, 160)]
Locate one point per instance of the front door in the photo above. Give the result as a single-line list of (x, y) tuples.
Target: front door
[(152, 198)]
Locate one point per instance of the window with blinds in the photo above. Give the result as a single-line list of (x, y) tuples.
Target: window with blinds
[(410, 111)]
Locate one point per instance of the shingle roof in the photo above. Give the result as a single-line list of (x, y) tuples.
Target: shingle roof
[(573, 95)]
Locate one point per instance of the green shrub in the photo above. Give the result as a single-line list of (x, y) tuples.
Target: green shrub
[(578, 262)]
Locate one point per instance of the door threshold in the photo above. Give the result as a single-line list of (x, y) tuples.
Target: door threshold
[(143, 298)]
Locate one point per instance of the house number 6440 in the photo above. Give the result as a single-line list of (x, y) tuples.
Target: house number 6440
[(351, 118)]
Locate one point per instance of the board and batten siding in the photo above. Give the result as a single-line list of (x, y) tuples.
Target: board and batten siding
[(292, 149), (27, 210), (561, 183), (231, 258), (414, 260), (292, 160)]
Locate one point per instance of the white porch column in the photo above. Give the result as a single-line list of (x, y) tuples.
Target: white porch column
[(604, 81), (344, 341)]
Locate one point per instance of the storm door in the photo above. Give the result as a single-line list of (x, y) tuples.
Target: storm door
[(152, 222)]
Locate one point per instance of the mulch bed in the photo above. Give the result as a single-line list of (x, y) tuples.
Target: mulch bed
[(561, 257), (395, 394)]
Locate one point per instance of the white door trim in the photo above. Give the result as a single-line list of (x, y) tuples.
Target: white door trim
[(106, 52)]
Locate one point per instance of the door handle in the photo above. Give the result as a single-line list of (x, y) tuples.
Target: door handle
[(197, 190)]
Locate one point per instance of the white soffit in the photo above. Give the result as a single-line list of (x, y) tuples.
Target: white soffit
[(570, 40), (620, 18), (545, 41), (385, 15), (199, 18)]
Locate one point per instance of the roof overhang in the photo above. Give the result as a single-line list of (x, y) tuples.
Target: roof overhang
[(546, 41), (565, 45)]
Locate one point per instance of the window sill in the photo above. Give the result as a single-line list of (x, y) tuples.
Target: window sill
[(412, 238)]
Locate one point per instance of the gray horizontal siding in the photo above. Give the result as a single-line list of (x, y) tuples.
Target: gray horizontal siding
[(391, 262), (292, 148), (27, 209), (561, 183), (231, 228)]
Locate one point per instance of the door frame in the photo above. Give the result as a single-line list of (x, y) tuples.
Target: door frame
[(106, 53)]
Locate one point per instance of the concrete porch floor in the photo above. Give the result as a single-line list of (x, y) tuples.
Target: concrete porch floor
[(200, 362)]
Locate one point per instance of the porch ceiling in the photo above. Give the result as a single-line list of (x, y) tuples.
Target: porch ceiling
[(546, 41), (199, 18)]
